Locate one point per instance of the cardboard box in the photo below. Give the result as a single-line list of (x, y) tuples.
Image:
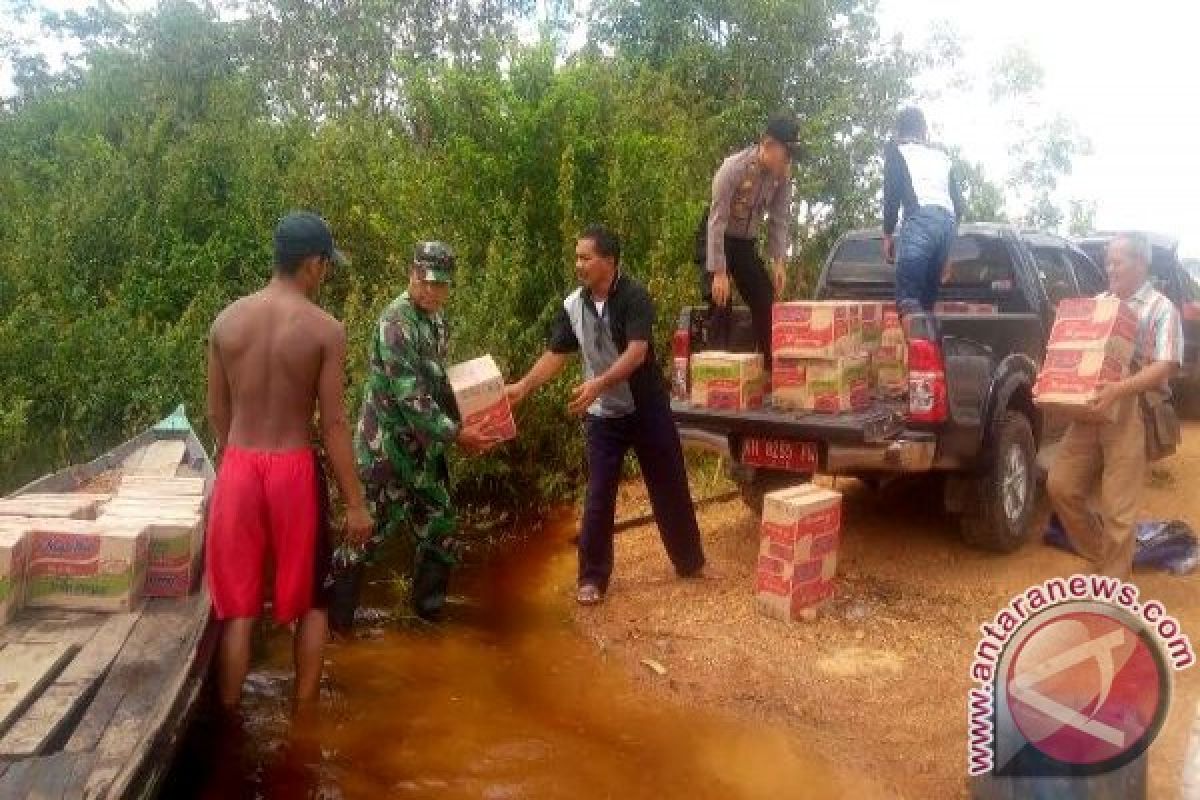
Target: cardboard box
[(161, 487), (872, 326), (1091, 344), (890, 380), (174, 546), (86, 565), (14, 560), (64, 505), (728, 381), (1095, 323), (826, 386), (797, 563), (478, 390), (816, 330)]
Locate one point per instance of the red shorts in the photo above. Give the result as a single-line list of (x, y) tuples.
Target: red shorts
[(264, 505)]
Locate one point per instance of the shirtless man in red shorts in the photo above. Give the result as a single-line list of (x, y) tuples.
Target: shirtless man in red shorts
[(274, 358)]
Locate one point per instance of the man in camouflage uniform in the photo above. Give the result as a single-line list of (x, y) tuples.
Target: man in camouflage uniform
[(408, 421)]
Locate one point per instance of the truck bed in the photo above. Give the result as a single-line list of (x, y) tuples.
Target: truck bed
[(876, 424)]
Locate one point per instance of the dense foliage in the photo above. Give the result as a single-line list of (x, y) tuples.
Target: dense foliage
[(141, 185)]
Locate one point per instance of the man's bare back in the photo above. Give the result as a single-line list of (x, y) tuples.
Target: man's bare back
[(271, 347)]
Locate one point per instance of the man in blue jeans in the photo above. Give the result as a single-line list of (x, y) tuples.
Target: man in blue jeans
[(920, 179), (609, 320)]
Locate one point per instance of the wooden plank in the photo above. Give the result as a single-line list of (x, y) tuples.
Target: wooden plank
[(26, 669), (161, 650), (51, 776), (153, 647), (49, 715), (159, 458)]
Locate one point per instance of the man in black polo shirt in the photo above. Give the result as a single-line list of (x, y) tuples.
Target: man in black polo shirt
[(610, 321)]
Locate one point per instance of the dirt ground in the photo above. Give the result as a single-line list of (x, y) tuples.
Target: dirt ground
[(878, 684)]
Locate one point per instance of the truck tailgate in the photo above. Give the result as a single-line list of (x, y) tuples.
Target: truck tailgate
[(861, 427)]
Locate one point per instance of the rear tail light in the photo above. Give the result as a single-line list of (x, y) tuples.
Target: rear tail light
[(681, 347), (1191, 311), (926, 382)]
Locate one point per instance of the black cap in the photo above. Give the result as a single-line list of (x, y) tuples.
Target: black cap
[(437, 260), (784, 129), (303, 233)]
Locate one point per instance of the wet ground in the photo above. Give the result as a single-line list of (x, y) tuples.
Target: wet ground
[(505, 700)]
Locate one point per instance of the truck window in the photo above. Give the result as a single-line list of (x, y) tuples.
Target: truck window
[(977, 261), (1090, 277), (1057, 276)]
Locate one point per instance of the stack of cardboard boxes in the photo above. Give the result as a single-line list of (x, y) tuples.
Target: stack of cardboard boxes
[(889, 363), (1091, 344), (797, 560), (171, 513), (727, 381), (818, 358)]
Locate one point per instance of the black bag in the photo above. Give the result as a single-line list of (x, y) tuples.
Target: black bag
[(1162, 427)]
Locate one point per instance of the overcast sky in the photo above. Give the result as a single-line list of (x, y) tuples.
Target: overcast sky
[(1125, 72), (1119, 70)]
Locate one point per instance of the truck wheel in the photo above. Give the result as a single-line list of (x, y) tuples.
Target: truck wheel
[(999, 519), (762, 483)]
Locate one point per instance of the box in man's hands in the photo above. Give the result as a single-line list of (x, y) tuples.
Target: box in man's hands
[(1091, 345), (478, 390)]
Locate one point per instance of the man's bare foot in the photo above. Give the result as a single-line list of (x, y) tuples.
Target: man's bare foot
[(589, 595)]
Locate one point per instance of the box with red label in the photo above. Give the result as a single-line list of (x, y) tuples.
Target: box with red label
[(87, 565), (872, 326), (727, 381), (827, 386), (479, 394), (1070, 379), (14, 557), (1095, 323), (816, 330), (175, 541), (797, 562), (1091, 344)]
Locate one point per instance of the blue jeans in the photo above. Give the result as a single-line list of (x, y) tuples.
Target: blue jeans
[(922, 247)]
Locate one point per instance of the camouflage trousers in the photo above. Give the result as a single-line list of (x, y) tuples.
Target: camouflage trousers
[(420, 507)]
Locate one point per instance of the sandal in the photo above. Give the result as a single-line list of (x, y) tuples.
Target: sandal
[(589, 595)]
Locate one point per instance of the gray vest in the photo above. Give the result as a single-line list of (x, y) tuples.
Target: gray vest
[(599, 351)]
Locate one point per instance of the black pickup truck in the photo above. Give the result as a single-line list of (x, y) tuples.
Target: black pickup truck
[(969, 416)]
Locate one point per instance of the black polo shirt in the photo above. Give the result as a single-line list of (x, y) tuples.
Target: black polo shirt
[(628, 315)]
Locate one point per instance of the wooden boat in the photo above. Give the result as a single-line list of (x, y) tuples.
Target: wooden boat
[(94, 705)]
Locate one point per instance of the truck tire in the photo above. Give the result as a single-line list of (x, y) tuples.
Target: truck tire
[(763, 482), (1005, 495)]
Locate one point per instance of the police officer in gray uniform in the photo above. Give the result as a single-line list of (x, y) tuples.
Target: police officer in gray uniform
[(751, 185)]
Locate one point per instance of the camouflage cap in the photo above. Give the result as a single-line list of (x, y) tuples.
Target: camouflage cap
[(437, 260)]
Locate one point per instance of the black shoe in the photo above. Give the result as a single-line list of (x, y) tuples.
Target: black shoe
[(344, 597), (431, 581)]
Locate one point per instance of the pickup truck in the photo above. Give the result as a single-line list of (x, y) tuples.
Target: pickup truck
[(969, 415)]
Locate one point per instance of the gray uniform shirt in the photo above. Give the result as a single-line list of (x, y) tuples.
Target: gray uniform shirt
[(743, 192)]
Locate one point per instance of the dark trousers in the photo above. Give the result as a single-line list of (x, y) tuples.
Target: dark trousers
[(922, 247), (650, 431), (749, 276)]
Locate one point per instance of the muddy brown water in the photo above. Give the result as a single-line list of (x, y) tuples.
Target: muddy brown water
[(505, 700)]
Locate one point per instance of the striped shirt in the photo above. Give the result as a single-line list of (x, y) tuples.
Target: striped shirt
[(1160, 330)]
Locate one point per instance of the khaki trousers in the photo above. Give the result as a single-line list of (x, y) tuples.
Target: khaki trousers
[(1111, 457)]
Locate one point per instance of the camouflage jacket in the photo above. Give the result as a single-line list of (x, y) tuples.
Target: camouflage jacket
[(408, 413)]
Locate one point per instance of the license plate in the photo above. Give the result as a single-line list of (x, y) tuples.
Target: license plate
[(779, 454)]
